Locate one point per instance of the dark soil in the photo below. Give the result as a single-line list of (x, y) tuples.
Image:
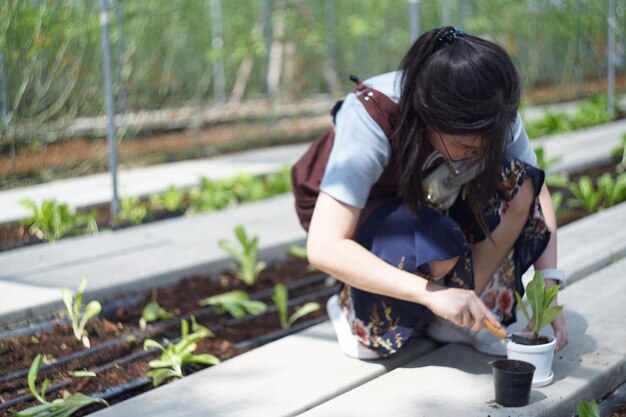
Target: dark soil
[(117, 355)]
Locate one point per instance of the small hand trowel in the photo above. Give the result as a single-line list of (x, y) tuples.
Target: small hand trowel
[(501, 333)]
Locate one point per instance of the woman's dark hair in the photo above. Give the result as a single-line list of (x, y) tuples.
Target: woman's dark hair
[(457, 85)]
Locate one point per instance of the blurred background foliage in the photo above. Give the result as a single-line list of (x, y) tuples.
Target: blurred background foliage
[(163, 49), (168, 54)]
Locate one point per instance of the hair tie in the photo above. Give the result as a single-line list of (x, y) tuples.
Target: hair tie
[(448, 35)]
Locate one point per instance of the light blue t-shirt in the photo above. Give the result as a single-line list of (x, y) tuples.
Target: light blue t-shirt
[(361, 151)]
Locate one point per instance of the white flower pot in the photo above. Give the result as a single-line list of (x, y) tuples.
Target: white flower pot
[(539, 355)]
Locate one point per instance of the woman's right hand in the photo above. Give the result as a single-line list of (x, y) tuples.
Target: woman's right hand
[(461, 307)]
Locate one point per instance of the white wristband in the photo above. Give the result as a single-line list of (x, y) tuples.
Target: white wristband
[(555, 274)]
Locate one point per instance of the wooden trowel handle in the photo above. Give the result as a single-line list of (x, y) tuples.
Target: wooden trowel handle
[(499, 332)]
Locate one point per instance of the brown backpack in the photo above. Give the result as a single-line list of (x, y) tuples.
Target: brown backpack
[(307, 173)]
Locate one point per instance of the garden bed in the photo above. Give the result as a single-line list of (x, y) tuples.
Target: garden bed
[(117, 355)]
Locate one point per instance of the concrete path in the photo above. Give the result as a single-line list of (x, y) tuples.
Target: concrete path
[(456, 380)]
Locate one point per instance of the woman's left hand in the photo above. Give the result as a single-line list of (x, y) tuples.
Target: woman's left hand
[(560, 332)]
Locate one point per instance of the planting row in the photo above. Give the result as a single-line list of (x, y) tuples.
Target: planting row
[(104, 352), (51, 220)]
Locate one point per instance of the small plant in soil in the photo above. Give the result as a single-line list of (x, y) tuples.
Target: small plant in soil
[(60, 407), (176, 355), (132, 210), (247, 267), (280, 299), (237, 303), (74, 306), (588, 409), (153, 312), (51, 221), (172, 200), (539, 299)]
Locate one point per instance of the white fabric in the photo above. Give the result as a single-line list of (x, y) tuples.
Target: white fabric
[(361, 150)]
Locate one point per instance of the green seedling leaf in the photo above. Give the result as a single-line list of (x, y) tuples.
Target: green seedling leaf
[(153, 312), (297, 252), (176, 355), (32, 378), (247, 267), (539, 300), (588, 409), (280, 300), (61, 407), (150, 343), (205, 359), (73, 304), (303, 311), (237, 303)]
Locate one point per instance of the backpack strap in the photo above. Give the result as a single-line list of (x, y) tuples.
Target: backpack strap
[(380, 108)]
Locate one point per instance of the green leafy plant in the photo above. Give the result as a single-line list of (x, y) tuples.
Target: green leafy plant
[(278, 182), (51, 221), (237, 303), (586, 193), (591, 112), (549, 123), (176, 355), (280, 299), (60, 407), (133, 210), (542, 161), (247, 268), (171, 200), (588, 409), (613, 190), (153, 312), (74, 306), (539, 299)]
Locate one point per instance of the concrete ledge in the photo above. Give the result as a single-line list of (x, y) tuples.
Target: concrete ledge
[(456, 380), (591, 243), (283, 378), (583, 148)]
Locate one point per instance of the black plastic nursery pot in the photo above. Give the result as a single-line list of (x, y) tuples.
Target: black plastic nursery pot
[(512, 382)]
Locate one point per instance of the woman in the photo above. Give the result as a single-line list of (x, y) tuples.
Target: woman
[(410, 266)]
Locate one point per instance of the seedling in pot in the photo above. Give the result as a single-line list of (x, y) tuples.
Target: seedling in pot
[(153, 312), (74, 307), (247, 268), (539, 299), (176, 355), (61, 407), (280, 298), (237, 303)]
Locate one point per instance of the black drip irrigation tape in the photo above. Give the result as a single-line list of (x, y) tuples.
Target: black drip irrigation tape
[(42, 326), (122, 389), (137, 383), (154, 328)]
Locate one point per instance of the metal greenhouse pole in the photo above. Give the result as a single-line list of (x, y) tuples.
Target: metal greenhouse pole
[(217, 43), (108, 101), (611, 61), (414, 20)]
